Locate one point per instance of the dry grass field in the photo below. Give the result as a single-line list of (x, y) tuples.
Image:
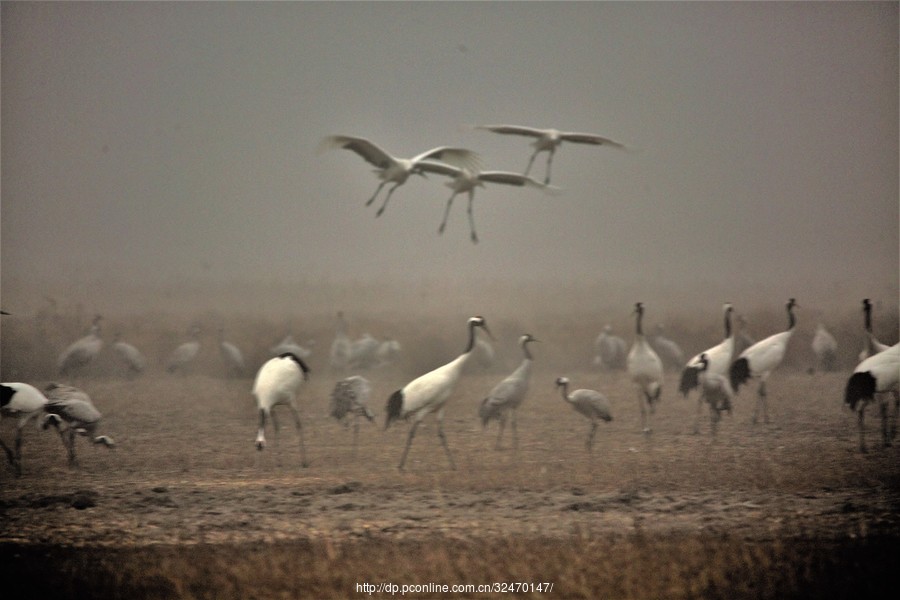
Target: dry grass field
[(186, 507)]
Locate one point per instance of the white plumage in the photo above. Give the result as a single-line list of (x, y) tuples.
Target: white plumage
[(428, 394), (508, 395), (590, 403), (183, 355), (466, 180), (231, 355), (23, 402), (646, 371), (350, 396), (824, 346), (288, 344), (277, 383), (547, 140), (718, 360), (877, 375), (760, 359), (339, 355), (82, 352), (71, 411), (132, 357), (669, 352), (611, 350), (397, 170)]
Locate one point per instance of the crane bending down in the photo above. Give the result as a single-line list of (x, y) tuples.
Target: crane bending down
[(547, 140), (590, 403), (646, 371), (428, 394), (350, 396), (466, 180), (278, 382), (71, 411), (23, 402), (878, 374), (396, 170), (508, 395), (760, 359)]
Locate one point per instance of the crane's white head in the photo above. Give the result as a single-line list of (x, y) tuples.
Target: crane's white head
[(527, 338), (562, 381)]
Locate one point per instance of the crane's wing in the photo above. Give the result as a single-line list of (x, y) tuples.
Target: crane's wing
[(508, 178), (513, 130), (431, 166), (589, 138), (458, 157), (371, 153)]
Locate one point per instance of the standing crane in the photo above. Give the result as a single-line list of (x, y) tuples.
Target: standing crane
[(646, 371), (877, 375), (590, 403), (23, 402), (718, 359), (716, 391), (760, 359), (506, 397), (429, 393)]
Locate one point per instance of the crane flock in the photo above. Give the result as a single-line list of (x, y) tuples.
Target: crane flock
[(718, 372), (460, 164)]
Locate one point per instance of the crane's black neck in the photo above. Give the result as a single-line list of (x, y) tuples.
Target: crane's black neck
[(867, 311), (790, 311), (639, 310), (728, 322), (471, 344)]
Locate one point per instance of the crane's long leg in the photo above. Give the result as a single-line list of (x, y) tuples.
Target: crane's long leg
[(515, 430), (549, 166), (531, 161), (589, 444), (386, 198), (296, 413), (883, 409), (701, 400), (378, 189), (70, 446), (472, 217), (501, 424), (447, 212), (443, 438), (860, 415), (761, 404), (409, 439), (896, 395), (9, 454)]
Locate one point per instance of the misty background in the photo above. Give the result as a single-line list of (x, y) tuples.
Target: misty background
[(166, 146)]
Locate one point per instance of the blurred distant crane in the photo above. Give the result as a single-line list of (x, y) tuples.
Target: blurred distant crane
[(82, 352)]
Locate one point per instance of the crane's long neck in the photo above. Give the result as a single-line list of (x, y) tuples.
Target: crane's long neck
[(471, 345), (638, 328), (727, 323), (564, 388), (526, 352), (791, 319), (867, 311)]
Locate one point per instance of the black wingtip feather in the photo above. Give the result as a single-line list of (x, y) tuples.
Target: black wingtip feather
[(739, 373), (860, 386), (688, 380), (394, 407)]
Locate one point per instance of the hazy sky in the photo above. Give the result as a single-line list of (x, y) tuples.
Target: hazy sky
[(150, 140)]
